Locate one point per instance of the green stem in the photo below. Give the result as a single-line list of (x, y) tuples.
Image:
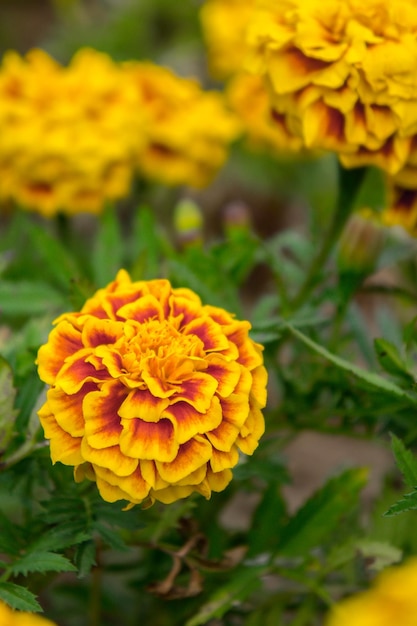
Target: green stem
[(350, 182)]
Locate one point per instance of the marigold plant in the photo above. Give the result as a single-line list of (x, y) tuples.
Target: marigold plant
[(391, 600), (342, 73), (151, 394)]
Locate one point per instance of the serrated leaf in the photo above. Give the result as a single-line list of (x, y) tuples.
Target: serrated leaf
[(321, 514), (244, 582), (407, 503), (370, 378), (406, 461), (85, 557), (110, 537), (19, 597), (41, 561)]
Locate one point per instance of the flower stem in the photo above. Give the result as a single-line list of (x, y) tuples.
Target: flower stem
[(349, 184)]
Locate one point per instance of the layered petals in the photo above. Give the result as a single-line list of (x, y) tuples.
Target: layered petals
[(150, 397)]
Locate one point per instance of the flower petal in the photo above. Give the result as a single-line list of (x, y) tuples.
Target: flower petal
[(198, 391), (64, 448), (133, 486), (189, 422), (149, 440), (111, 458), (227, 373), (98, 332), (140, 403), (67, 409), (191, 456), (209, 332), (102, 421), (142, 310), (224, 460), (76, 371), (251, 432), (63, 341)]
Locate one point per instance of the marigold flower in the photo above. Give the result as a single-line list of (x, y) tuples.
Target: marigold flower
[(342, 73), (152, 394), (391, 600), (69, 136), (72, 138), (224, 24), (402, 207), (188, 130), (9, 617)]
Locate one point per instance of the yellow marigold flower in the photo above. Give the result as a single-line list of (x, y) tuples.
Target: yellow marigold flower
[(264, 128), (9, 617), (152, 394), (391, 600), (188, 129), (69, 136), (224, 24), (343, 73)]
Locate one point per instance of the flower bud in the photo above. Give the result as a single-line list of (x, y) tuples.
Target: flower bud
[(188, 223), (360, 244)]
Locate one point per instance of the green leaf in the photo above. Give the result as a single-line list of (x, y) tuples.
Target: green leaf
[(390, 359), (41, 561), (321, 514), (267, 522), (244, 582), (407, 503), (145, 245), (107, 257), (85, 557), (7, 398), (406, 461), (28, 298), (370, 378), (19, 597)]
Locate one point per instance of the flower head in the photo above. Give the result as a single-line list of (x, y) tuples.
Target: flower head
[(188, 129), (69, 135), (9, 617), (391, 600), (343, 74), (152, 394)]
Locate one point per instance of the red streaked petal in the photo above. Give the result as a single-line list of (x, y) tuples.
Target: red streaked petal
[(140, 403), (190, 457), (183, 308), (142, 310), (76, 371), (150, 441), (109, 458), (68, 409), (63, 341), (250, 353), (227, 373), (98, 332), (102, 421), (209, 332), (224, 436), (64, 448), (197, 391), (189, 422), (235, 409)]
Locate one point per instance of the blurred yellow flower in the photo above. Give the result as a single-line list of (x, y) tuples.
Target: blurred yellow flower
[(73, 137), (188, 129), (152, 394), (69, 136), (402, 207), (9, 617), (224, 24), (392, 600), (343, 73)]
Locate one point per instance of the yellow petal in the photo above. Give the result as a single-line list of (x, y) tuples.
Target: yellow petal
[(148, 440), (189, 422), (63, 341), (64, 448), (191, 456), (110, 458)]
